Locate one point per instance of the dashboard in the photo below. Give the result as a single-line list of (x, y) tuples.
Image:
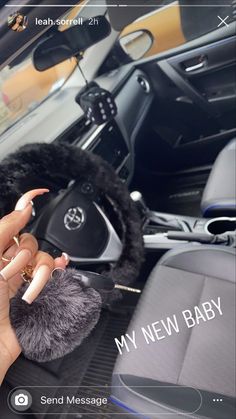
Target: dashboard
[(113, 141), (111, 146)]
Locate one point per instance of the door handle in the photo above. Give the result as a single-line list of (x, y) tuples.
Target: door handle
[(195, 67), (195, 63)]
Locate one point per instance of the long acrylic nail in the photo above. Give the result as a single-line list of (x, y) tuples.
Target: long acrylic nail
[(21, 259), (66, 257), (26, 199), (38, 283)]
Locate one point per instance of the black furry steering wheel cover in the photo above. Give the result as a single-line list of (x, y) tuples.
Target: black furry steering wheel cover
[(56, 162)]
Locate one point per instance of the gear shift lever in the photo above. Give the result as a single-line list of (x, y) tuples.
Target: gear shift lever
[(137, 197), (151, 216)]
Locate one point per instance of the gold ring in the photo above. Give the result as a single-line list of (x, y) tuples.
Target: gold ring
[(27, 273)]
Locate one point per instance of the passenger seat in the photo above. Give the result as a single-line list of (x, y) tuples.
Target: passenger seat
[(190, 373), (219, 197)]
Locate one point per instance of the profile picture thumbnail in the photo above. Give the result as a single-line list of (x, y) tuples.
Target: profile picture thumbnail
[(17, 22)]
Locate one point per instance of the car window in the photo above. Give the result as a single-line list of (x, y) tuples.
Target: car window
[(173, 24)]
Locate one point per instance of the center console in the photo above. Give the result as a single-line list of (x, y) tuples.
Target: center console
[(164, 231), (220, 225)]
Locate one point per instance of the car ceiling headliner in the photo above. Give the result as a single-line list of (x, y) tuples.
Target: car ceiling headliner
[(12, 43)]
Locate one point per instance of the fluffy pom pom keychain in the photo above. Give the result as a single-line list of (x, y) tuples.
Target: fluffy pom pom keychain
[(64, 313)]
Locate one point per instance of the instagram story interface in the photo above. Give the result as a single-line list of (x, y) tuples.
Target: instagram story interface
[(117, 209)]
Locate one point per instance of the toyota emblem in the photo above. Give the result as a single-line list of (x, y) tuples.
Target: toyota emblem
[(74, 218)]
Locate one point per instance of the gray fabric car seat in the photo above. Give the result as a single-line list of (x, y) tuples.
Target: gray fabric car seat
[(219, 196), (202, 356)]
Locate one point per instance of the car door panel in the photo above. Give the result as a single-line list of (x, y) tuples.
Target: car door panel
[(195, 102), (211, 72)]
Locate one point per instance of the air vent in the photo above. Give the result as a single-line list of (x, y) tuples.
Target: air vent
[(76, 132), (144, 83)]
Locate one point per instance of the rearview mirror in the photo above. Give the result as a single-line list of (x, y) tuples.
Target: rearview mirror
[(136, 44), (72, 42)]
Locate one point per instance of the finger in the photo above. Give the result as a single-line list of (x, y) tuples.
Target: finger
[(25, 199), (11, 224), (17, 264), (44, 267), (62, 261), (28, 247), (8, 255), (4, 300), (15, 282), (11, 244), (26, 241)]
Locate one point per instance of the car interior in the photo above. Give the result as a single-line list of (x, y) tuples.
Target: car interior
[(139, 153)]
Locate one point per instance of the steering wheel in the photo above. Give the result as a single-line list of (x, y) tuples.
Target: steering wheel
[(89, 213)]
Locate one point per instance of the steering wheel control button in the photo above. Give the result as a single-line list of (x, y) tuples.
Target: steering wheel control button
[(87, 188), (21, 400), (74, 218)]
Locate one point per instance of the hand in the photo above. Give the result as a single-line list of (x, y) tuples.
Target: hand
[(26, 253)]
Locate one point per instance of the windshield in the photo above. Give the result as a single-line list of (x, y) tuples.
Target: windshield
[(159, 27), (23, 87)]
